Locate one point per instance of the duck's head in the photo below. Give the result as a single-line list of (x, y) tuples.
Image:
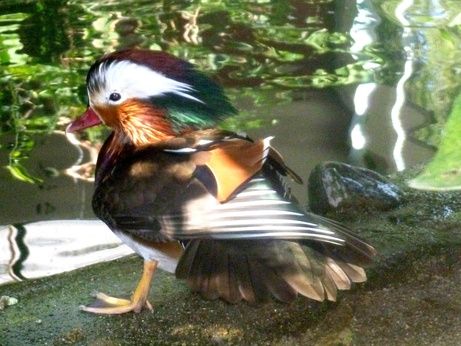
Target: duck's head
[(149, 96)]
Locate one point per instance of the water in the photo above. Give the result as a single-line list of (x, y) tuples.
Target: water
[(367, 82), (44, 248)]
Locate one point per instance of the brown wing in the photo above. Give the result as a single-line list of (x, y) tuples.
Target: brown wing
[(277, 160), (233, 163)]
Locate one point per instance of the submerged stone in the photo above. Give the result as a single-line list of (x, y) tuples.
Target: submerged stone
[(336, 186)]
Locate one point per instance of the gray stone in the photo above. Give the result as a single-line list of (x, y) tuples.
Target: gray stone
[(336, 186)]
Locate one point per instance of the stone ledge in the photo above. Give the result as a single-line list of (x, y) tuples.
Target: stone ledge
[(412, 296)]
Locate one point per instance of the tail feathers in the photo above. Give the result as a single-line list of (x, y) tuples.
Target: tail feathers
[(301, 272), (258, 269), (337, 275)]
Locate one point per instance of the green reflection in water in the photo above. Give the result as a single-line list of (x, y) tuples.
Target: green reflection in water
[(431, 33), (256, 49)]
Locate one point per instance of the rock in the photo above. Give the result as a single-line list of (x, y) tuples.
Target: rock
[(336, 186), (7, 301)]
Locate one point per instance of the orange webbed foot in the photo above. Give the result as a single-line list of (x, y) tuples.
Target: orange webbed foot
[(108, 305)]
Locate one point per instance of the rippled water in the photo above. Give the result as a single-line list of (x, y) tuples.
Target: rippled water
[(45, 248), (367, 82)]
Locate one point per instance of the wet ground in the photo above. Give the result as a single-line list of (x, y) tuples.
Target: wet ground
[(412, 296)]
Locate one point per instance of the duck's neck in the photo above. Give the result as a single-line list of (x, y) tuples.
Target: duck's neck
[(116, 147), (124, 142)]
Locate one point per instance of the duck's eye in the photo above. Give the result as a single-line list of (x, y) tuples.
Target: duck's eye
[(115, 97)]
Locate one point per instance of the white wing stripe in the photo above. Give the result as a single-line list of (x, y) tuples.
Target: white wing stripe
[(254, 193), (284, 235), (266, 224), (181, 151), (240, 234), (245, 213), (249, 204), (257, 212), (256, 224), (252, 213)]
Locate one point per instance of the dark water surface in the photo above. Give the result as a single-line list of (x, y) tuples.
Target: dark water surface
[(366, 82)]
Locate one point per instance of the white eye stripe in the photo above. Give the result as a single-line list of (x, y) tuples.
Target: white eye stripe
[(131, 80)]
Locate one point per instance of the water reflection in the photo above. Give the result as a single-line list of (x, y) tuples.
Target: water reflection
[(45, 248), (363, 33)]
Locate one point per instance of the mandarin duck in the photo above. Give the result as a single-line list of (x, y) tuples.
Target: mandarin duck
[(208, 204)]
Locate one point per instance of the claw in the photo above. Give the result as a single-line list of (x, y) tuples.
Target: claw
[(149, 306), (108, 300)]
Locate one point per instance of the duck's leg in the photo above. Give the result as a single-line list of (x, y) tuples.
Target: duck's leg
[(111, 306)]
